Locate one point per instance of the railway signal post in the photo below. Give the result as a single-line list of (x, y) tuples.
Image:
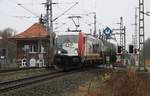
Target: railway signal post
[(49, 25), (142, 66)]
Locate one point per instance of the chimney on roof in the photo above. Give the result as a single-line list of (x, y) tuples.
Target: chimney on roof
[(41, 20)]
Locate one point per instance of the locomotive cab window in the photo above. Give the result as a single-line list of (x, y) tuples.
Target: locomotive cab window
[(66, 39)]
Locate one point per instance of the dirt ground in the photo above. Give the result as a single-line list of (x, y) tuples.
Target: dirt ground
[(125, 83)]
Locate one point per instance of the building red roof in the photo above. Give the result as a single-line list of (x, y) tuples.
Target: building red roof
[(37, 30)]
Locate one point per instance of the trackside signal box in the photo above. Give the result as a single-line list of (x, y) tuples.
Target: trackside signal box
[(131, 48), (119, 49)]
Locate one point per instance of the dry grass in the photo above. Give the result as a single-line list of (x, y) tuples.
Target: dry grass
[(124, 84)]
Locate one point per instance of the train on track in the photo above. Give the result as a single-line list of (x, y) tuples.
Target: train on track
[(78, 49)]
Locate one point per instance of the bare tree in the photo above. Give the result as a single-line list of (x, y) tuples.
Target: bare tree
[(8, 32), (7, 44)]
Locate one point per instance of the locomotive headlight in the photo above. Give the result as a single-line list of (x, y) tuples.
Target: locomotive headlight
[(67, 45), (75, 51), (59, 52)]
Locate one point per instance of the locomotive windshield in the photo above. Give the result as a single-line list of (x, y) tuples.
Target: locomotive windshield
[(67, 39), (63, 39)]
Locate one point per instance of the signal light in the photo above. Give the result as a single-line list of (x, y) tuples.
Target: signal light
[(131, 48), (3, 52), (119, 49), (135, 51)]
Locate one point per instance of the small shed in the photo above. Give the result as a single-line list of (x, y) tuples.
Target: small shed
[(33, 46)]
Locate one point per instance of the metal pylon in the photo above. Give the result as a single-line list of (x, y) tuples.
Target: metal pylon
[(141, 36), (49, 14), (49, 25), (121, 31), (122, 34), (136, 28)]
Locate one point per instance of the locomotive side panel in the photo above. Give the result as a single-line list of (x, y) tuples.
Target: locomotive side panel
[(93, 50)]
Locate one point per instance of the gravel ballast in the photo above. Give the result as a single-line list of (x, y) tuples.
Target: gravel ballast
[(9, 76), (56, 87)]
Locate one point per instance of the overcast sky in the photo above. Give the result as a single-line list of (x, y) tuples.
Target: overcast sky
[(108, 14)]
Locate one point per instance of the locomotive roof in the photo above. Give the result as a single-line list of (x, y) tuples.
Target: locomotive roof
[(75, 33), (67, 33)]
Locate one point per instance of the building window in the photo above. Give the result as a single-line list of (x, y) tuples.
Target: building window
[(30, 48), (42, 49)]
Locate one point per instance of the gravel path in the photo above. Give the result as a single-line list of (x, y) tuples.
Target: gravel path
[(22, 74), (57, 87)]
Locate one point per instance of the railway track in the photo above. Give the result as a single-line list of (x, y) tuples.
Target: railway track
[(12, 85), (18, 69)]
